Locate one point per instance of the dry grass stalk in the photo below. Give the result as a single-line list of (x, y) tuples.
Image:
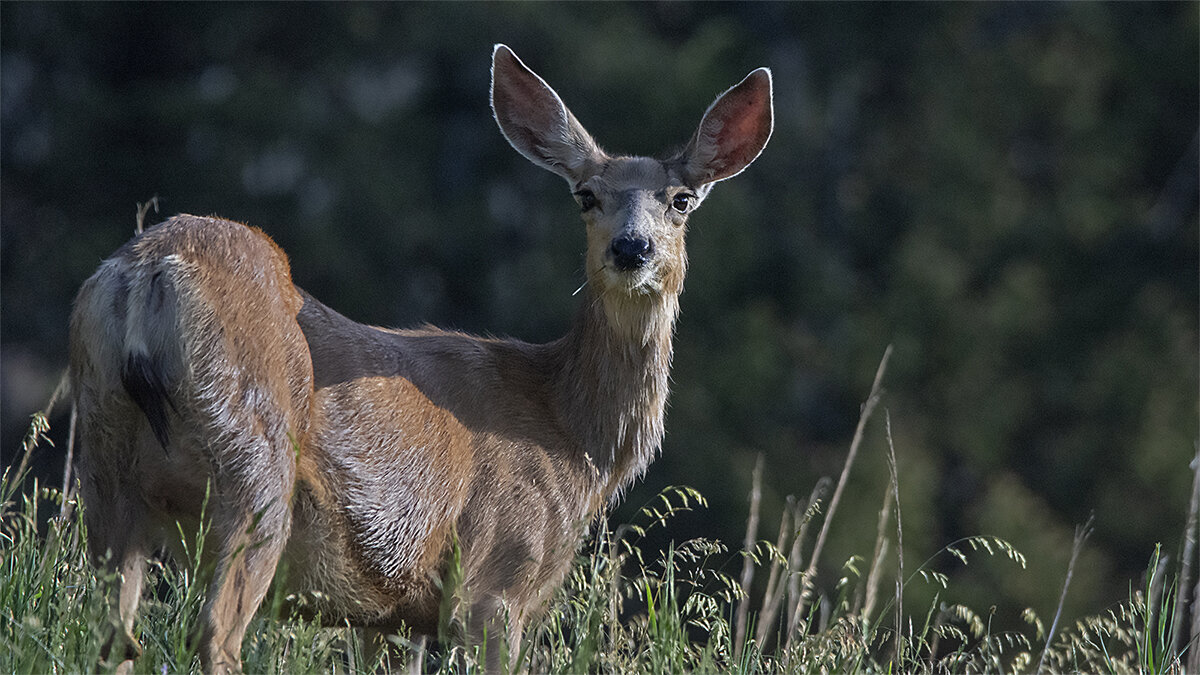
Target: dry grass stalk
[(739, 635), (39, 426), (774, 591), (142, 210), (935, 631), (881, 550), (1186, 560), (809, 573), (793, 575), (895, 483), (1194, 651), (68, 480), (1081, 535)]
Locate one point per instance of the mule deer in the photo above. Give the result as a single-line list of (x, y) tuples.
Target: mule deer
[(364, 457)]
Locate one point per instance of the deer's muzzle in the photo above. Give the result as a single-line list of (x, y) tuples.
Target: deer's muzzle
[(630, 253)]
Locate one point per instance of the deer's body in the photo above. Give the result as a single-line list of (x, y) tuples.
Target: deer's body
[(418, 432), (364, 458)]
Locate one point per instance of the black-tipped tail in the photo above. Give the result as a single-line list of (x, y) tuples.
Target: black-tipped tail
[(147, 388)]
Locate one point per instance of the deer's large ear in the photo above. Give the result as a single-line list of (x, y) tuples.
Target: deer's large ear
[(733, 132), (534, 120)]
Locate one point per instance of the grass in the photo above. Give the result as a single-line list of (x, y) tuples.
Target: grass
[(623, 608)]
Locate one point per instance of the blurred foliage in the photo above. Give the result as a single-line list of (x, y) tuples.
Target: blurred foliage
[(1005, 191)]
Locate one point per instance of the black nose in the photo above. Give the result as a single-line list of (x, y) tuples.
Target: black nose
[(630, 253)]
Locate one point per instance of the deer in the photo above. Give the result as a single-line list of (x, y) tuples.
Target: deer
[(365, 461)]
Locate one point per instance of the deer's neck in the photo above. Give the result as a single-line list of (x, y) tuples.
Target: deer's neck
[(612, 392)]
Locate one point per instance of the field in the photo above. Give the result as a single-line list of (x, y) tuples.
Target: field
[(625, 608), (1005, 192)]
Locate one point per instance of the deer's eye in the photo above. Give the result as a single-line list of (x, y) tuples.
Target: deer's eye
[(587, 199), (681, 202)]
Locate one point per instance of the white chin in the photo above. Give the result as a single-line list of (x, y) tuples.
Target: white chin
[(634, 282)]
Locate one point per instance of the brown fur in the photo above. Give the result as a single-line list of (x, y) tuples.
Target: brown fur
[(361, 455)]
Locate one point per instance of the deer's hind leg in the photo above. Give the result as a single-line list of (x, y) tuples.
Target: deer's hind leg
[(244, 398), (119, 532), (250, 523), (128, 562), (253, 434)]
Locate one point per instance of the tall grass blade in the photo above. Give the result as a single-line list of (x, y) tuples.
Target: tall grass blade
[(773, 594), (743, 610), (871, 592), (895, 483), (1186, 562), (809, 573), (1081, 535)]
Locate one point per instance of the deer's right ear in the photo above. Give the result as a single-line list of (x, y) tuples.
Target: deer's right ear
[(534, 120)]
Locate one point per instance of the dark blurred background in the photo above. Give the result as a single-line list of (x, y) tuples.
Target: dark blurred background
[(1007, 192)]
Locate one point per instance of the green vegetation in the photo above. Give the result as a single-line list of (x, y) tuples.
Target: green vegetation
[(625, 607)]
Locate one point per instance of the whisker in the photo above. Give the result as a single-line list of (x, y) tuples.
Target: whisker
[(585, 281)]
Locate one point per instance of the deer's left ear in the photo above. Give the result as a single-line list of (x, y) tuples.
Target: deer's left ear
[(733, 132)]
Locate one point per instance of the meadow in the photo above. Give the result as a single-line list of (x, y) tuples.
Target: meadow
[(699, 605)]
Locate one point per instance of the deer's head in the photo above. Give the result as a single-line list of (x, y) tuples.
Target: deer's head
[(635, 208)]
